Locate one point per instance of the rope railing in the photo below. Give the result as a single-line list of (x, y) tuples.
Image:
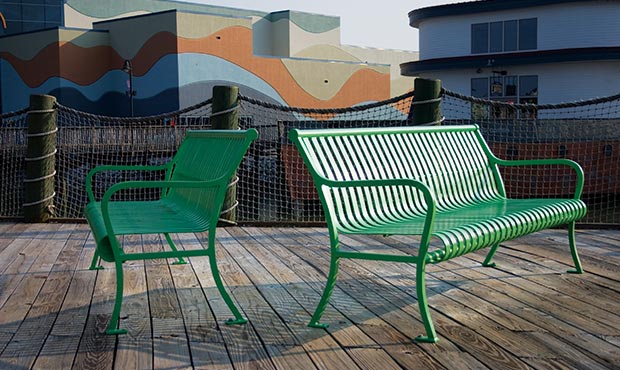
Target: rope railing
[(273, 184), (527, 106), (327, 111)]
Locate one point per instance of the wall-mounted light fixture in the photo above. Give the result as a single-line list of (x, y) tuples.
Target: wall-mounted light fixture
[(127, 68)]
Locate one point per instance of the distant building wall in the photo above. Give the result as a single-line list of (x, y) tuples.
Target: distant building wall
[(177, 56), (537, 52)]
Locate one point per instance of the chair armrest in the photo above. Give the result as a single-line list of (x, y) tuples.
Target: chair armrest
[(163, 184), (92, 172), (548, 162)]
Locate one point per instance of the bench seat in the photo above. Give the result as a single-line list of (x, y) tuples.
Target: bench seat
[(442, 183), (480, 224)]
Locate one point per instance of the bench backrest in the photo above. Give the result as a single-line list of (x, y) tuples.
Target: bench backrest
[(453, 161), (207, 155)]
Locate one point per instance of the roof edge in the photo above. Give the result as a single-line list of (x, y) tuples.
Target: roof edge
[(481, 6)]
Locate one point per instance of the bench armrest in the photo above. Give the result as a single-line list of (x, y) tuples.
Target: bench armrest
[(92, 172), (429, 198), (547, 162)]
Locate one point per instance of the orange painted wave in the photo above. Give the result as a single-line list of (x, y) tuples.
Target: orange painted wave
[(84, 66)]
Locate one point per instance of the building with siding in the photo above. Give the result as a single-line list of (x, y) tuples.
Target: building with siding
[(522, 51), (79, 51)]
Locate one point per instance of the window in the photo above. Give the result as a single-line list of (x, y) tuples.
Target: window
[(505, 88), (528, 30), (505, 36), (53, 14), (480, 38), (510, 35), (480, 87), (31, 15), (496, 37), (528, 89)]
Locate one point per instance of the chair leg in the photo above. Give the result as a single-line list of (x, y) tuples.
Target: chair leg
[(573, 250), (238, 319), (180, 260), (487, 261), (118, 301), (431, 336), (95, 264), (327, 292)]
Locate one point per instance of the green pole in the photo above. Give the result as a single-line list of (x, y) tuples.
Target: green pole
[(40, 159), (225, 116), (426, 103)]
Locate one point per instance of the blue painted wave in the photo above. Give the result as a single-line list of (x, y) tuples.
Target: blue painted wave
[(172, 72)]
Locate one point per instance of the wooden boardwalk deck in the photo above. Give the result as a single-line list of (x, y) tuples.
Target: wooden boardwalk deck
[(527, 313)]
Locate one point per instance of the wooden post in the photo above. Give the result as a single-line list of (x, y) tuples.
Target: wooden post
[(426, 91), (225, 116), (40, 159)]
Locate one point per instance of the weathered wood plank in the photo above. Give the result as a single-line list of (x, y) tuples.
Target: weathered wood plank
[(527, 313), (96, 349), (17, 258), (242, 342), (308, 292), (275, 284), (393, 314), (257, 288), (392, 299), (15, 312), (9, 231), (170, 342), (206, 343), (135, 349), (514, 286)]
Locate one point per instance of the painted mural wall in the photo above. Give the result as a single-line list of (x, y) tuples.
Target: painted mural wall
[(179, 51)]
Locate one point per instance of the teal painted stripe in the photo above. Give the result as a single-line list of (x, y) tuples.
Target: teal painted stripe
[(314, 23), (109, 9)]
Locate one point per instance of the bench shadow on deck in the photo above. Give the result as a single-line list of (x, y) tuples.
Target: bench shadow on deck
[(526, 313)]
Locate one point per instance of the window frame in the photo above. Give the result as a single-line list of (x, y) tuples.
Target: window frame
[(513, 34)]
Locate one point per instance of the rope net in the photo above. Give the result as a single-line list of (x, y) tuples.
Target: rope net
[(86, 141), (587, 132), (274, 185), (13, 127)]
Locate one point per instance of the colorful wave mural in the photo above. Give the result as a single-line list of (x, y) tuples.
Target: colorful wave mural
[(175, 56)]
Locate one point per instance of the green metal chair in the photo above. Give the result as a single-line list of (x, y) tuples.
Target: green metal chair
[(192, 195), (441, 183)]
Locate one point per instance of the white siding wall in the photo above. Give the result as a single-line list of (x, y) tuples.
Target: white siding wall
[(559, 27), (557, 83), (567, 82)]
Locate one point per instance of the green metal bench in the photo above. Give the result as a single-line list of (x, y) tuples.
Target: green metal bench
[(192, 194), (441, 182)]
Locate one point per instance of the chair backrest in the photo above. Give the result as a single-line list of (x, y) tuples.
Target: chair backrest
[(207, 155), (453, 161)]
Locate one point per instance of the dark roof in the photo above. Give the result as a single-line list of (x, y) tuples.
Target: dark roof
[(510, 59), (481, 6)]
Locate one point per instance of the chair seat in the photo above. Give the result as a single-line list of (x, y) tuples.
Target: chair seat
[(151, 217)]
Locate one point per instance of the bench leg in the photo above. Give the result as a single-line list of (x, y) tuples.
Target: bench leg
[(431, 336), (487, 261), (180, 260), (238, 319), (327, 292), (573, 250), (118, 301)]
